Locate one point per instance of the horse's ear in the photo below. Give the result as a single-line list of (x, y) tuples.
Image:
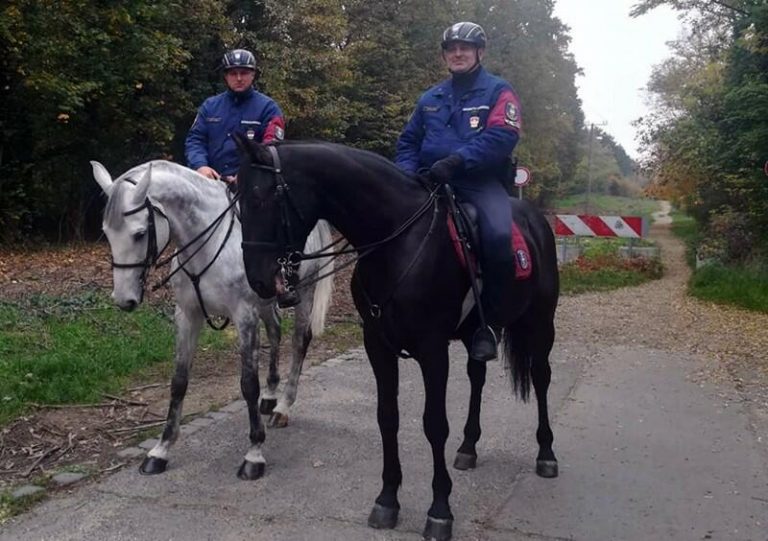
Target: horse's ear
[(140, 192), (102, 176), (255, 152)]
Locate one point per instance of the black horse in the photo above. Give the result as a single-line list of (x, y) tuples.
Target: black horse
[(408, 286)]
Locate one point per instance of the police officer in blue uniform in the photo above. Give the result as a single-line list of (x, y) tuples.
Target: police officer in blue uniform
[(463, 130), (210, 148)]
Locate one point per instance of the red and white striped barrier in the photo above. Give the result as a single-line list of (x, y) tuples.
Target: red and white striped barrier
[(584, 225)]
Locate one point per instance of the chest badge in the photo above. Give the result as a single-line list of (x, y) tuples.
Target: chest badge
[(250, 134), (474, 122)]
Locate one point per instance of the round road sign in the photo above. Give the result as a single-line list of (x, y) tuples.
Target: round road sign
[(523, 176)]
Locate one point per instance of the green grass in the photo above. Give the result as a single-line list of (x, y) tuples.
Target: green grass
[(71, 350), (744, 287)]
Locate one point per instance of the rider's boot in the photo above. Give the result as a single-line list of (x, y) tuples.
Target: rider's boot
[(485, 340)]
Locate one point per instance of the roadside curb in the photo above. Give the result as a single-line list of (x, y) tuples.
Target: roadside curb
[(32, 493)]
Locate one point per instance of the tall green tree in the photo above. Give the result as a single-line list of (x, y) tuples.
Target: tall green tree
[(95, 81)]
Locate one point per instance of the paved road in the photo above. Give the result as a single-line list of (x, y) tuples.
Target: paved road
[(645, 453)]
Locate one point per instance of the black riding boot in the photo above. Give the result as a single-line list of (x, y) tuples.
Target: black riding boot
[(485, 340)]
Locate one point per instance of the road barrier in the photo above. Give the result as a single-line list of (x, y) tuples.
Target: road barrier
[(586, 225), (567, 226)]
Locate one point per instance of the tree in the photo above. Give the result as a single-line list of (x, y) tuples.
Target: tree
[(708, 131)]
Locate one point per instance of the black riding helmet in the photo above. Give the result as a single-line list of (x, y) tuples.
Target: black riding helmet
[(238, 58), (466, 32)]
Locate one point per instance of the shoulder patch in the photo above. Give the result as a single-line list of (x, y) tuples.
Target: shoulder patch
[(511, 115)]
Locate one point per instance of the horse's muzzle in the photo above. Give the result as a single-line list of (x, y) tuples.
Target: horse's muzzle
[(128, 306)]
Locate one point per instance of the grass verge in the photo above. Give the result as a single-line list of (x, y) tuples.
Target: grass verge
[(72, 350), (744, 286)]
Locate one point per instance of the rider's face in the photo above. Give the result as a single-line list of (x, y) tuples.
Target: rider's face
[(461, 57), (239, 79)]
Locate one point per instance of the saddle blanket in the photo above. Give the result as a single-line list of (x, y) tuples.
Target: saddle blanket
[(523, 263)]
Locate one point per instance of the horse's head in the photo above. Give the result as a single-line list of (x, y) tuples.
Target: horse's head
[(277, 211), (135, 227)]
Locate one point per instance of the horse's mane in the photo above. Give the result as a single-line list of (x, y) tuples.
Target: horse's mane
[(113, 214), (374, 158)]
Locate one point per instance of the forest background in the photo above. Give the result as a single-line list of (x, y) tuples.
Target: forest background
[(120, 82)]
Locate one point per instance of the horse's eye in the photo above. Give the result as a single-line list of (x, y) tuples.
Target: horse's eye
[(139, 235)]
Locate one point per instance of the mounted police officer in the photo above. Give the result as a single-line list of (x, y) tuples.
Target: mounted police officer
[(464, 130), (210, 148)]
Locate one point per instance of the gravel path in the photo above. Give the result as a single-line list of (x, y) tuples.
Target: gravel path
[(733, 343)]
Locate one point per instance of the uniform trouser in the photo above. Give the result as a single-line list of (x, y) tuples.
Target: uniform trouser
[(494, 217)]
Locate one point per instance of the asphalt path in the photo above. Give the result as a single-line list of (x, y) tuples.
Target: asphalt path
[(646, 452)]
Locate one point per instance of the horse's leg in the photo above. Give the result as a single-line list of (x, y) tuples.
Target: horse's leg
[(248, 330), (187, 332), (302, 335), (384, 363), (541, 374), (466, 456), (434, 369), (271, 317)]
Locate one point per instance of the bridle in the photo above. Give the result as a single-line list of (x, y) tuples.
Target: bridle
[(152, 254), (152, 257)]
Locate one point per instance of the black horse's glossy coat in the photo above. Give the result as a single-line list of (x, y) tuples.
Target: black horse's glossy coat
[(409, 292)]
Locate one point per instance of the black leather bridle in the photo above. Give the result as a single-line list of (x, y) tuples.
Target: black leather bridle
[(152, 254)]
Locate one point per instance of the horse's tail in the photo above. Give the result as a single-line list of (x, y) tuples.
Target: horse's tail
[(320, 238), (518, 358)]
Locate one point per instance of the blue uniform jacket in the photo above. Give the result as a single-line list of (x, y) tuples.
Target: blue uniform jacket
[(482, 126), (209, 141)]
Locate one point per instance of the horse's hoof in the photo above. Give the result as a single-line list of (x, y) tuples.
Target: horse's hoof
[(152, 465), (383, 518), (278, 420), (438, 529), (250, 471), (546, 468), (465, 461), (267, 405)]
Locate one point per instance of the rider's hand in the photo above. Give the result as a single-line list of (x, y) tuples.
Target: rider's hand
[(208, 172), (442, 171)]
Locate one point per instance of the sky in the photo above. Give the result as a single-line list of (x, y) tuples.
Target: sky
[(617, 54)]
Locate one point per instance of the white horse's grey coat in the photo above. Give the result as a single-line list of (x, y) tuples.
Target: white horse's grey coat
[(184, 204)]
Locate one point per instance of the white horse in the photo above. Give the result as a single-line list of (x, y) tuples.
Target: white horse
[(160, 202)]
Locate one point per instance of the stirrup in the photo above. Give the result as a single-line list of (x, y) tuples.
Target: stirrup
[(483, 348)]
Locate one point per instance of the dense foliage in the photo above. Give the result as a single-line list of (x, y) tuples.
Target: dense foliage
[(709, 129), (120, 82)]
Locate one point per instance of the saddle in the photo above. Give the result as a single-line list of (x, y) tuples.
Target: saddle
[(519, 248)]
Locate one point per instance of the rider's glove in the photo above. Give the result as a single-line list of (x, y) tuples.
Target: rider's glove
[(442, 171)]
